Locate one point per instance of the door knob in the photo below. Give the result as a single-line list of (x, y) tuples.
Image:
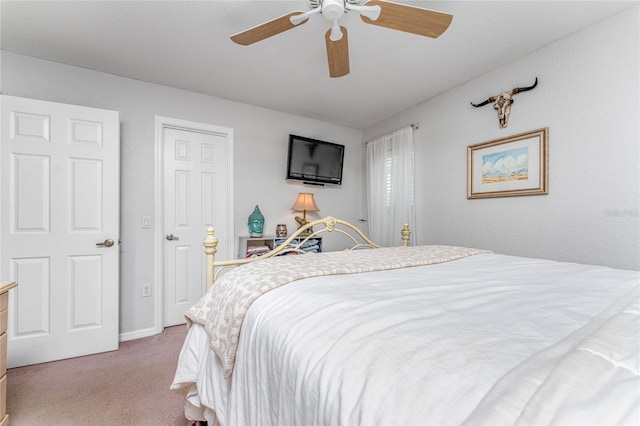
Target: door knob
[(171, 237), (106, 243)]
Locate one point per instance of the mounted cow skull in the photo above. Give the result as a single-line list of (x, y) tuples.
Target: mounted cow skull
[(503, 102)]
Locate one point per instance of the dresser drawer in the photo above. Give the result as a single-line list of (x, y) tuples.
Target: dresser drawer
[(4, 301), (3, 320), (3, 396), (3, 355)]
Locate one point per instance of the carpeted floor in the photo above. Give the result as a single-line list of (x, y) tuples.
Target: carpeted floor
[(129, 386)]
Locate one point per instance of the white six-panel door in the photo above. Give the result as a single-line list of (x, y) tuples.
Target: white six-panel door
[(196, 197), (59, 182)]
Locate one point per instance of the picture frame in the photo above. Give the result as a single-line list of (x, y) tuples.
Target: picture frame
[(507, 167)]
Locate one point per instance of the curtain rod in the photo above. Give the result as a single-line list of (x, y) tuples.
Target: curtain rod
[(414, 126)]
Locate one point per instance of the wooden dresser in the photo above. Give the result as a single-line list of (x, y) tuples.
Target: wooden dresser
[(4, 305)]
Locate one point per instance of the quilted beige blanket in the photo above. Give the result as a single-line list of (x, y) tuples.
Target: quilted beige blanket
[(222, 309)]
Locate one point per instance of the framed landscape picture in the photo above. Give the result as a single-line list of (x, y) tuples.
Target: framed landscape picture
[(507, 167)]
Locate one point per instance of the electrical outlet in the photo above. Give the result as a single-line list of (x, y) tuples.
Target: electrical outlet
[(146, 290)]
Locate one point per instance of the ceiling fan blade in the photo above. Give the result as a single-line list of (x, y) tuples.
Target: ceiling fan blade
[(409, 19), (268, 29), (337, 54)]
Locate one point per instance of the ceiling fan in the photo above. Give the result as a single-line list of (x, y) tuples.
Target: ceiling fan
[(383, 13)]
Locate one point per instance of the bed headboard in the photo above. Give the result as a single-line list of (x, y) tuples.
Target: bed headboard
[(302, 235)]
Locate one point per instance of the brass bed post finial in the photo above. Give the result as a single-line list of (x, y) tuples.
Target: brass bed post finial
[(406, 233), (210, 243)]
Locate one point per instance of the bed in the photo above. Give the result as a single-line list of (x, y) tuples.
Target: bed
[(429, 335)]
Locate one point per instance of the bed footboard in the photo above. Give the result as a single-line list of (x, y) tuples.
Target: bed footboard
[(302, 235)]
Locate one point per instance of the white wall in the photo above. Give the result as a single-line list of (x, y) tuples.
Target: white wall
[(588, 96), (260, 141)]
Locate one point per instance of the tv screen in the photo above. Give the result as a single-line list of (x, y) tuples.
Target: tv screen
[(314, 161)]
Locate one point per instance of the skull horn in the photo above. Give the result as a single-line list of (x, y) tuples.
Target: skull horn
[(491, 99), (524, 89)]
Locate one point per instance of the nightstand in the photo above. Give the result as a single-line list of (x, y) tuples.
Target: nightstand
[(254, 247)]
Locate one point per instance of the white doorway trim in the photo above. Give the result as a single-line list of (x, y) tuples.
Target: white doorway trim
[(158, 259)]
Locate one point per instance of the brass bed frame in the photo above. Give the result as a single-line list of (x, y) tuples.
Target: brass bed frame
[(302, 235)]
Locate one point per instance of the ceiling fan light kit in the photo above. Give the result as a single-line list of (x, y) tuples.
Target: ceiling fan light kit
[(396, 16)]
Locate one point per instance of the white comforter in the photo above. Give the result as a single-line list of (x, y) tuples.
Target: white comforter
[(488, 339)]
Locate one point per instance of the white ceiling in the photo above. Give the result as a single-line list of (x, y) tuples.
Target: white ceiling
[(186, 44)]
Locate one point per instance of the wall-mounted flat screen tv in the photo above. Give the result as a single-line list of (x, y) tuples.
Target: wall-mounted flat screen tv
[(314, 161)]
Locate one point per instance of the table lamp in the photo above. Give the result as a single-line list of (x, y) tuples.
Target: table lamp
[(304, 203)]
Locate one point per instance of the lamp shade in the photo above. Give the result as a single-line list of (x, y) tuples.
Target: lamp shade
[(305, 202)]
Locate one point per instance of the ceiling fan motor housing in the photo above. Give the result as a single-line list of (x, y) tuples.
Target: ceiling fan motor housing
[(333, 9)]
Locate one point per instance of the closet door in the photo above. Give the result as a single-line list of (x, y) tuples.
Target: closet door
[(196, 194)]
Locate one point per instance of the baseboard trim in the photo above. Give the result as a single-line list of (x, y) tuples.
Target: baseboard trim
[(131, 335)]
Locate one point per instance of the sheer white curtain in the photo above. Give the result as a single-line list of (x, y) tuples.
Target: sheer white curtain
[(390, 194)]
